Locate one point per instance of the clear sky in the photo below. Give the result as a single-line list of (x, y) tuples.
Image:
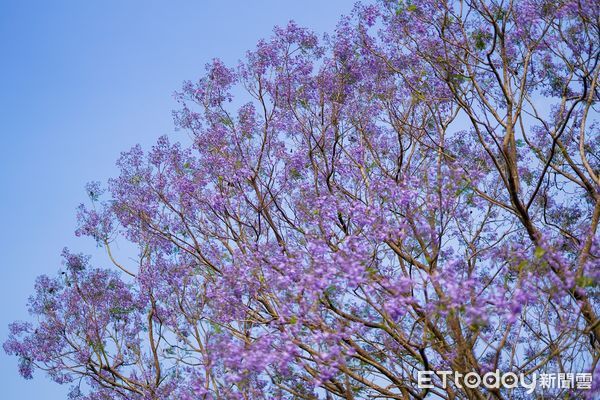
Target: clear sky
[(81, 81)]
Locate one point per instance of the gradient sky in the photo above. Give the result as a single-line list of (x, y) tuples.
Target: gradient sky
[(81, 81)]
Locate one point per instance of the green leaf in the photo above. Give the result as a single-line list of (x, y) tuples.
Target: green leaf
[(539, 252), (217, 328), (586, 281), (227, 121)]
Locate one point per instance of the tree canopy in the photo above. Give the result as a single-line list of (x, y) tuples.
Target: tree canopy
[(418, 190)]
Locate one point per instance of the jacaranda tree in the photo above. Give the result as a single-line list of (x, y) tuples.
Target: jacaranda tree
[(417, 191)]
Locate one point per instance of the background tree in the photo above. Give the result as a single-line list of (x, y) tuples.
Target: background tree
[(419, 191)]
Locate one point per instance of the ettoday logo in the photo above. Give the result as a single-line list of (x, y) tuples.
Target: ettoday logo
[(509, 380)]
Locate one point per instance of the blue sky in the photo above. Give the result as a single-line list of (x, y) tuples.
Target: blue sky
[(81, 81)]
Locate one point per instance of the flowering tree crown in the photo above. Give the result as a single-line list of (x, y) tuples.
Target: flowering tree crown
[(417, 191)]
